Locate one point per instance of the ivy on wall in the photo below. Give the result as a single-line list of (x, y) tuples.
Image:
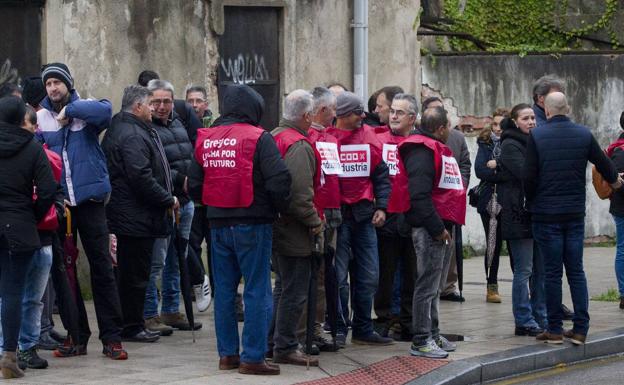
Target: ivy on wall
[(524, 26)]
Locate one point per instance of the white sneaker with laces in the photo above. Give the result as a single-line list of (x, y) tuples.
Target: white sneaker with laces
[(203, 297)]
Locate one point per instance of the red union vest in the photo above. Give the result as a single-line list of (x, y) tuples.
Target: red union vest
[(50, 221), (226, 154), (389, 151), (360, 153), (448, 194), (287, 138), (381, 129), (327, 195)]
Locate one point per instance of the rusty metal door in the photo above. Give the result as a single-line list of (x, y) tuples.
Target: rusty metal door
[(249, 54), (20, 47)]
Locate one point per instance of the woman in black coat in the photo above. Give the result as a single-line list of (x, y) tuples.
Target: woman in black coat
[(529, 314), (23, 166), (487, 169)]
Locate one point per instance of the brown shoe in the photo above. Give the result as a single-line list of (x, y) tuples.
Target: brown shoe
[(229, 362), (295, 358), (262, 368), (550, 338), (576, 338)]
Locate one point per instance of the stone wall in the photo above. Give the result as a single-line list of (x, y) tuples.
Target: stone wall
[(477, 84)]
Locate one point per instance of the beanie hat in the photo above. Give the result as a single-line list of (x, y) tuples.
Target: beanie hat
[(33, 90), (346, 103), (57, 71)]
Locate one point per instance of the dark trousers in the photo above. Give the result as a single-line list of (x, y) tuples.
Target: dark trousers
[(134, 258), (391, 251), (292, 281), (492, 277), (89, 219), (200, 232), (12, 279)]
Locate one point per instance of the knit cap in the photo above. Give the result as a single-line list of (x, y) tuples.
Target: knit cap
[(346, 103), (58, 71)]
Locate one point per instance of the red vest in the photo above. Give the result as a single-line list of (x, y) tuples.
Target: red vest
[(50, 221), (381, 129), (360, 153), (226, 153), (327, 194), (389, 151), (287, 138), (448, 194)]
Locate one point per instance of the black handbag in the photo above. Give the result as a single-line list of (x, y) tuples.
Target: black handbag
[(474, 193)]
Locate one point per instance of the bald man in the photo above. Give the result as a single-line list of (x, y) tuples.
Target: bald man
[(556, 161)]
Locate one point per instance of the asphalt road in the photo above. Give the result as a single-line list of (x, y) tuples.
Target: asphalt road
[(608, 371)]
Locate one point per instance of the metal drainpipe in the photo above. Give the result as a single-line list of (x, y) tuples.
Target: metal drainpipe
[(360, 48)]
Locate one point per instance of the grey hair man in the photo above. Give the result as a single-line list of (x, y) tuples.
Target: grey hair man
[(141, 195), (541, 88), (294, 230)]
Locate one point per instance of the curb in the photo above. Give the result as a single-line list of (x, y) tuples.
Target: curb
[(522, 360)]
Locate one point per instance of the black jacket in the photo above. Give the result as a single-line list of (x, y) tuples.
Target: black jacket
[(140, 198), (616, 207), (271, 179), (23, 165), (514, 217), (420, 167), (489, 177), (179, 152), (189, 120)]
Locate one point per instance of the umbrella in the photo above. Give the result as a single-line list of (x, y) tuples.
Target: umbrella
[(65, 298), (331, 292), (314, 261), (181, 245), (493, 208), (459, 258), (71, 255)]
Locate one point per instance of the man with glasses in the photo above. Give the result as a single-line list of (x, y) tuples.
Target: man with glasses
[(365, 189), (179, 152), (394, 238), (197, 97)]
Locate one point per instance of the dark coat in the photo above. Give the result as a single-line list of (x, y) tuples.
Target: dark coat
[(23, 165), (140, 198), (556, 165), (514, 217), (271, 178), (489, 177), (179, 152)]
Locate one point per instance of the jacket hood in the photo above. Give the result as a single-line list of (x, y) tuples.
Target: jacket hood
[(513, 132), (240, 104), (12, 139)]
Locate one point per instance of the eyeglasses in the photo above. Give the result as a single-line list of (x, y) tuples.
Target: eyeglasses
[(193, 101), (358, 111), (399, 113), (158, 102)]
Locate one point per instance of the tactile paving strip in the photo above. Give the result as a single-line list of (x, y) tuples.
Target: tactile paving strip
[(396, 370)]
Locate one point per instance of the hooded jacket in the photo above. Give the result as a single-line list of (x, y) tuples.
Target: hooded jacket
[(87, 176), (23, 165), (271, 179)]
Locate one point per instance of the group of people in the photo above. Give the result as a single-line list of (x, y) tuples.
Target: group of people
[(353, 211)]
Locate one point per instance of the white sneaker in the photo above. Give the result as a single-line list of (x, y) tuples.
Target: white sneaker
[(203, 297), (429, 350)]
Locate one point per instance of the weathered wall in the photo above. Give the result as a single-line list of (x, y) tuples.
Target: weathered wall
[(107, 43), (477, 84)]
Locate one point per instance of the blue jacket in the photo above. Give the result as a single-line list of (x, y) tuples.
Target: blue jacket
[(540, 115), (85, 175), (556, 164)]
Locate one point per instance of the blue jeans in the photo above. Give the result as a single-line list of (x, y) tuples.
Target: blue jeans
[(165, 262), (37, 274), (524, 306), (360, 240), (562, 244), (619, 253), (242, 251)]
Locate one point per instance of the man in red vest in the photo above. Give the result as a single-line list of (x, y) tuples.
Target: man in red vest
[(364, 187), (430, 190), (294, 231), (243, 183), (394, 237)]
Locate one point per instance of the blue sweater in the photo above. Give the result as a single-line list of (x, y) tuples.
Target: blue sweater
[(85, 175)]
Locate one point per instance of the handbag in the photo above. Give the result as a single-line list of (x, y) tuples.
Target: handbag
[(474, 194)]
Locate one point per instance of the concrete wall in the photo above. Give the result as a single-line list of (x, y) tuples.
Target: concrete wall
[(477, 84)]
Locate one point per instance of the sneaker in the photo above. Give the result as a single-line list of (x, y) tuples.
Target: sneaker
[(445, 344), (550, 338), (429, 350), (58, 337), (155, 324), (372, 339), (114, 351), (69, 349), (32, 359), (341, 340), (178, 321), (203, 296), (46, 342), (528, 331), (453, 297), (576, 338)]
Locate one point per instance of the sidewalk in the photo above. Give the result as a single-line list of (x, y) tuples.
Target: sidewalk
[(488, 328)]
